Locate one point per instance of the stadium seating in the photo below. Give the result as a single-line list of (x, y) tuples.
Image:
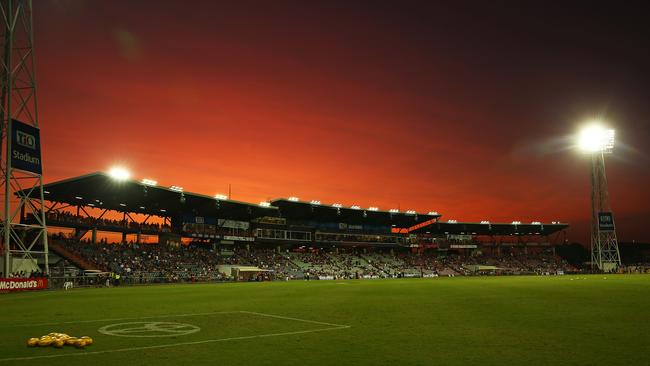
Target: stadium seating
[(145, 263)]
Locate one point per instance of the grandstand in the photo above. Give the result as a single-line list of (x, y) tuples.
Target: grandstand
[(202, 238)]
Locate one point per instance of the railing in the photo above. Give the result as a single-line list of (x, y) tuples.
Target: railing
[(87, 281)]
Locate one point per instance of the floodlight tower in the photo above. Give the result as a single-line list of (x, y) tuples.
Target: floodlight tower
[(598, 141), (23, 234)]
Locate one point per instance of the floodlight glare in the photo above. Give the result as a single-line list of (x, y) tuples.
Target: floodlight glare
[(149, 182), (119, 173), (595, 139), (220, 196)]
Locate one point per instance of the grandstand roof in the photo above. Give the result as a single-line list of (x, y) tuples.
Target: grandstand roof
[(499, 229), (299, 210), (102, 191)]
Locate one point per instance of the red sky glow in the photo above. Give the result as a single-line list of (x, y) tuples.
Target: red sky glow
[(416, 105)]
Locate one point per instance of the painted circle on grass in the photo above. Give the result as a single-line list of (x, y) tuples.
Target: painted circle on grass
[(149, 329)]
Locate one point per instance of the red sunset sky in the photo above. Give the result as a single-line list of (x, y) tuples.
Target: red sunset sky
[(430, 106)]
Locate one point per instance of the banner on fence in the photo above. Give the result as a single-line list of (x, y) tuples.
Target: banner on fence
[(22, 284)]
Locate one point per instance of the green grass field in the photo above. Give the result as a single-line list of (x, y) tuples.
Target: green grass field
[(565, 320)]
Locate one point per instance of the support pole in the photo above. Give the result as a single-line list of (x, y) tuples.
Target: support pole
[(23, 184), (604, 243)]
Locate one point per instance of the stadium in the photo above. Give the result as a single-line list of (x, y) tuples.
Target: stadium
[(213, 238), (106, 262)]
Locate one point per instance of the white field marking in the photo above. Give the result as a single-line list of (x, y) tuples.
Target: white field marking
[(175, 344), (119, 319), (295, 319), (168, 329)]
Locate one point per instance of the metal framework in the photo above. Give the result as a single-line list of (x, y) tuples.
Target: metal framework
[(23, 190), (604, 245), (94, 224)]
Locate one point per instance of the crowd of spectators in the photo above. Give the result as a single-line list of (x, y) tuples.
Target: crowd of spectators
[(140, 263), (355, 264), (54, 217), (543, 263)]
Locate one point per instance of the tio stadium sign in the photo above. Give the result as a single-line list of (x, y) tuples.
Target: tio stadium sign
[(22, 284), (26, 147)]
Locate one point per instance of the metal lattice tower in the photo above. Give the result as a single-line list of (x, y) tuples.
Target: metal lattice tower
[(23, 233), (604, 245)]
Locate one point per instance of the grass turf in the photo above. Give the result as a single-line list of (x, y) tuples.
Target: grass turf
[(564, 320)]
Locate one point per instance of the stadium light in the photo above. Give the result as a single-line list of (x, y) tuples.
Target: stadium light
[(119, 173), (337, 205), (411, 212), (149, 182), (452, 221), (220, 196), (315, 202), (433, 213), (516, 222), (265, 204), (485, 222), (176, 188), (393, 210), (293, 199), (372, 208), (355, 207), (536, 223), (596, 139)]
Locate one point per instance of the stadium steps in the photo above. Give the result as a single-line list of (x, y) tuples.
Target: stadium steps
[(72, 257)]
